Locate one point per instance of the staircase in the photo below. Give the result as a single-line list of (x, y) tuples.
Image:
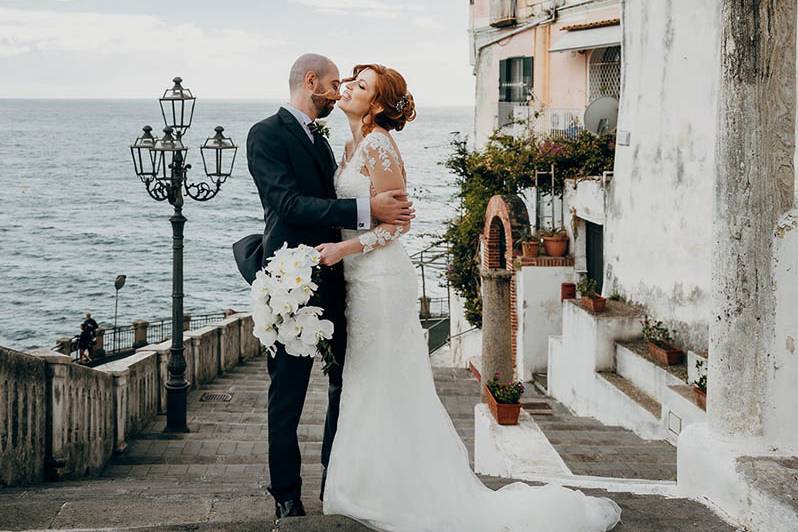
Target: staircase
[(657, 400)]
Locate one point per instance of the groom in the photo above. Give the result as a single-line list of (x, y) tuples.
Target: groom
[(293, 168)]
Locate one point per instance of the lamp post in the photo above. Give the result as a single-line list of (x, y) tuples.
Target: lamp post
[(160, 164), (119, 282)]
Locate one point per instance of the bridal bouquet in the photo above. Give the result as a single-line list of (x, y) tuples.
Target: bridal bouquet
[(280, 294)]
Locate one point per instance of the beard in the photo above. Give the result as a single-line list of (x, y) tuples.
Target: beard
[(323, 105)]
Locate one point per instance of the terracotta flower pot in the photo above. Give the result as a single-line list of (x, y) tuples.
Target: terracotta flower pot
[(530, 248), (594, 303), (503, 413), (666, 354), (700, 397), (556, 245), (567, 291)]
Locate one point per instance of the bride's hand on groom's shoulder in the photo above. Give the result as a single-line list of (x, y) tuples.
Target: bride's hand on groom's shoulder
[(392, 207)]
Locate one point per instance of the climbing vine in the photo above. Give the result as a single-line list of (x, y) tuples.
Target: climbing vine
[(507, 165)]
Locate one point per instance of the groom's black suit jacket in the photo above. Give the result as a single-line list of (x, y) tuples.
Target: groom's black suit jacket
[(294, 178)]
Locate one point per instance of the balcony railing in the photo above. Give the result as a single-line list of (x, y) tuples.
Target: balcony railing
[(503, 13), (557, 122)]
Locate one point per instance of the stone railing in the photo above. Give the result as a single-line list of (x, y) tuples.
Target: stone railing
[(23, 384), (63, 420)]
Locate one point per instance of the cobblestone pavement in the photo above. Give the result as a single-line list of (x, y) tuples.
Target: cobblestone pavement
[(215, 476)]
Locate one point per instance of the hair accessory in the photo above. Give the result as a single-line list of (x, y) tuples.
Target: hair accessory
[(400, 105)]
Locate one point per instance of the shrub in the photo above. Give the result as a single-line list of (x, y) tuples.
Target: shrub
[(587, 287), (701, 381), (507, 165), (505, 393), (655, 331)]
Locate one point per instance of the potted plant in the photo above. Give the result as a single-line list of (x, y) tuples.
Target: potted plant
[(700, 385), (555, 242), (591, 300), (504, 400), (530, 247), (659, 342)]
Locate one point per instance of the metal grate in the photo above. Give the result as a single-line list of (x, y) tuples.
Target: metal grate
[(216, 397), (605, 72)]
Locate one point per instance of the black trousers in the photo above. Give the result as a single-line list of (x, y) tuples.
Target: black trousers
[(290, 376)]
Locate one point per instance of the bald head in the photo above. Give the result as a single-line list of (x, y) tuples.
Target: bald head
[(308, 63)]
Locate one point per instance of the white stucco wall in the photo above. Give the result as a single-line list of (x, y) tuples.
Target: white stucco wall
[(539, 315), (781, 403), (465, 343), (659, 211)]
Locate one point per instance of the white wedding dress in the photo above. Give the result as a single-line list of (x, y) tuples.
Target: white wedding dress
[(397, 462)]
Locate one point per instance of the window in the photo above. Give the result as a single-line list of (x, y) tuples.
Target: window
[(515, 79), (515, 87), (605, 72)]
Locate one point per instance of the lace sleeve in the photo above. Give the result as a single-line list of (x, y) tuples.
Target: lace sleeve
[(385, 169)]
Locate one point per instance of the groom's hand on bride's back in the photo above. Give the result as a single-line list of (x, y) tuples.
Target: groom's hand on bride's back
[(392, 207)]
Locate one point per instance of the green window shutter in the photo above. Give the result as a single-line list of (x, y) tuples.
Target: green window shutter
[(504, 79), (528, 75)]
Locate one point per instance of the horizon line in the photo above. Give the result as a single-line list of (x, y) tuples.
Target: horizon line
[(139, 98)]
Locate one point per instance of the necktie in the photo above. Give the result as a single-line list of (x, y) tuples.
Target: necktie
[(314, 129)]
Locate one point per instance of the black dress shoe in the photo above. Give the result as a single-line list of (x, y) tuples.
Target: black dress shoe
[(292, 508)]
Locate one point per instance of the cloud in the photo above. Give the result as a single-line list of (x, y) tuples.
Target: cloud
[(360, 8), (34, 32)]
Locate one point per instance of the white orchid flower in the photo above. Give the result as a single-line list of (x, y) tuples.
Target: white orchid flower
[(266, 334), (288, 331), (263, 315), (299, 349), (282, 303)]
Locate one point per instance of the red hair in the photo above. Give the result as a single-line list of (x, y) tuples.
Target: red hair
[(390, 93)]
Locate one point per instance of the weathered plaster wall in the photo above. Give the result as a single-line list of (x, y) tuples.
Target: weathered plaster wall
[(659, 209), (22, 418), (539, 315), (781, 404)]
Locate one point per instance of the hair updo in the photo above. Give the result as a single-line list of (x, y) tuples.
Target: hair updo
[(390, 93)]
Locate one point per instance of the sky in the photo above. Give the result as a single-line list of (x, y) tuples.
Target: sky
[(226, 49)]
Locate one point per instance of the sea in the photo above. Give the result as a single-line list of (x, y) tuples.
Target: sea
[(73, 214)]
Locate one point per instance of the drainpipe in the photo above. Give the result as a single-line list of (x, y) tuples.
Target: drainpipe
[(550, 18)]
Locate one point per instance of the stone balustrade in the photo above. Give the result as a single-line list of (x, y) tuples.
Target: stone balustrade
[(23, 385), (63, 420)]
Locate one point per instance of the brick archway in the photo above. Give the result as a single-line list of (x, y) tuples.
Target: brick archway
[(506, 221)]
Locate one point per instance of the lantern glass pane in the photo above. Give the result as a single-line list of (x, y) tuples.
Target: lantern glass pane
[(177, 112), (218, 155), (143, 161)]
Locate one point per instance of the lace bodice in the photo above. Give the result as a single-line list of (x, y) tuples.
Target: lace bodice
[(375, 149), (373, 158)]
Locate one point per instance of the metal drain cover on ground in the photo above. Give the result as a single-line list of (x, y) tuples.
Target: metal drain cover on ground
[(216, 397)]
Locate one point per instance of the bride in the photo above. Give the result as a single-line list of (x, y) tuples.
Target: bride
[(397, 463)]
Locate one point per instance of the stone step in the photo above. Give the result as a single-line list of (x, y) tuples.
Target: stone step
[(634, 363), (634, 393), (541, 382)]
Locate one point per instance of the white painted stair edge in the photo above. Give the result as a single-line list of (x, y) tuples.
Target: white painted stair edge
[(643, 373), (523, 452)]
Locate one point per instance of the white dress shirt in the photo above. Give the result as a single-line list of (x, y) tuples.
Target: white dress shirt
[(363, 204)]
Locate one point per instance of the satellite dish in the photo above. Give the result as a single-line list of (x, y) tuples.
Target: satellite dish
[(601, 116)]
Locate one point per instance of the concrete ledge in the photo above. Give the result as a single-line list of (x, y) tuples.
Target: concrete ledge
[(518, 451), (646, 375), (709, 468)]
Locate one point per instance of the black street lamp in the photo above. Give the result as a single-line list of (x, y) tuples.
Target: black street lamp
[(160, 164)]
